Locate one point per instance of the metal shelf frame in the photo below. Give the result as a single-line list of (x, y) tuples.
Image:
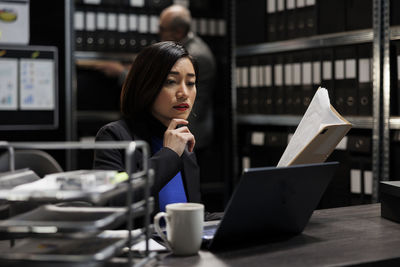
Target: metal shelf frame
[(95, 55), (326, 40), (293, 120)]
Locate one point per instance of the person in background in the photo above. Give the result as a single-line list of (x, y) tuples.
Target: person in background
[(157, 97)]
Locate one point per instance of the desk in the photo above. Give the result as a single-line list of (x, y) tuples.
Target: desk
[(341, 236)]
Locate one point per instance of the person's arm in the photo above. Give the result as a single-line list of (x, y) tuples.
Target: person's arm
[(166, 162)]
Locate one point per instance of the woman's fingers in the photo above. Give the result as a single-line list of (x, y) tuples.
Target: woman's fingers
[(175, 122), (177, 138)]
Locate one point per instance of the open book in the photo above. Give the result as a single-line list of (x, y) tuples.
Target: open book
[(317, 134)]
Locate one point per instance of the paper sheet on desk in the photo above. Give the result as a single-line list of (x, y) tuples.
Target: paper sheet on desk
[(141, 246), (153, 246)]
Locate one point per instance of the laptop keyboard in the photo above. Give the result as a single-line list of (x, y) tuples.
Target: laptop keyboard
[(209, 231)]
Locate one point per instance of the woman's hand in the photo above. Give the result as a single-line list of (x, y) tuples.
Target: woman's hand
[(177, 138)]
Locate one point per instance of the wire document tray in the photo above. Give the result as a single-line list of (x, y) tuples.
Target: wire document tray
[(72, 229)]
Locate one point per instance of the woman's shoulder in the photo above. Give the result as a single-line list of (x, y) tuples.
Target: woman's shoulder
[(116, 130)]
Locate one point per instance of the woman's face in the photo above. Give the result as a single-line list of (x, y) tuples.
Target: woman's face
[(178, 93)]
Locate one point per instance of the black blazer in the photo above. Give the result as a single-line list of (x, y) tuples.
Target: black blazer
[(166, 162)]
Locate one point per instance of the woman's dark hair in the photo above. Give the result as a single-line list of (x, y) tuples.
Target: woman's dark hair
[(147, 76)]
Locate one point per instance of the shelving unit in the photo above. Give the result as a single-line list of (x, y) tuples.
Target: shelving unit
[(86, 121), (380, 122)]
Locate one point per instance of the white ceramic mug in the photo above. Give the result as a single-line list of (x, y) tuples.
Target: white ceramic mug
[(184, 227)]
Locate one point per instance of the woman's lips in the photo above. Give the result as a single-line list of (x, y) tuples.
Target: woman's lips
[(181, 107)]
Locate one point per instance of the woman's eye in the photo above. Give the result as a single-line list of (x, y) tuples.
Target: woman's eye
[(191, 83), (169, 81)]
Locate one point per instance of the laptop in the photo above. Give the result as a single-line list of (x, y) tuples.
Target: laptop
[(269, 203)]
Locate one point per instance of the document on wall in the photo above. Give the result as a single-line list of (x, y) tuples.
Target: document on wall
[(8, 83), (318, 133)]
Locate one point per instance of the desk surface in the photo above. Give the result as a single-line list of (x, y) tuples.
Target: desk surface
[(342, 236)]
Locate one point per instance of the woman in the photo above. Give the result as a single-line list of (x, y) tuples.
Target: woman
[(157, 97)]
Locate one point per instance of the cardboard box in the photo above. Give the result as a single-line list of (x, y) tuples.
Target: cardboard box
[(390, 200)]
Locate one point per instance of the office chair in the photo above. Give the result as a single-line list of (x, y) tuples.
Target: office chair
[(38, 161)]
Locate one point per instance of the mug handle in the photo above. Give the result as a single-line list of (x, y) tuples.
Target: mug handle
[(158, 228)]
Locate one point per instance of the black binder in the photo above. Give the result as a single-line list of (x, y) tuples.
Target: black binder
[(271, 21), (365, 79), (133, 42), (250, 22), (90, 28), (279, 92), (327, 81), (331, 16), (288, 83), (310, 18), (345, 80), (307, 90), (297, 83), (266, 102), (242, 88), (79, 28), (300, 19), (394, 12), (112, 33), (100, 38), (291, 26), (122, 35), (395, 77), (358, 14), (317, 71), (254, 85), (280, 20), (160, 5)]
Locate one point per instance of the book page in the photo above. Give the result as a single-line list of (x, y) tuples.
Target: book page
[(319, 115)]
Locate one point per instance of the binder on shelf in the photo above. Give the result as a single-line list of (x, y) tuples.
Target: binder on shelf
[(254, 86), (112, 30), (310, 18), (79, 27), (359, 144), (243, 97), (395, 78), (345, 80), (157, 4), (330, 11), (358, 14), (281, 20), (297, 83), (266, 103), (133, 45), (288, 84), (291, 18), (394, 12), (90, 29), (364, 79), (250, 11), (101, 30), (316, 72), (279, 92), (143, 30), (308, 90), (327, 81), (153, 30), (271, 20), (300, 18), (122, 35)]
